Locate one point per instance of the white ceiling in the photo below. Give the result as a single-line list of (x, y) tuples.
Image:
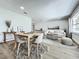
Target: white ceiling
[(41, 9)]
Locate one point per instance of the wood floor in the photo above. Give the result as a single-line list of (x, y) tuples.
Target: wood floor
[(5, 53), (59, 51), (55, 51)]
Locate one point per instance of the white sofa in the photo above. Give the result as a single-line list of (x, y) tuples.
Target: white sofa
[(55, 34)]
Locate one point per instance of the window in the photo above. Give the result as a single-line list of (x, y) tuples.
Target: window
[(75, 24), (74, 21)]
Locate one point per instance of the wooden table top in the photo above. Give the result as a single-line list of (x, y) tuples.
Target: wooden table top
[(27, 34)]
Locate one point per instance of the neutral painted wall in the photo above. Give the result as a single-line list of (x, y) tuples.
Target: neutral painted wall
[(75, 36), (63, 24), (17, 20)]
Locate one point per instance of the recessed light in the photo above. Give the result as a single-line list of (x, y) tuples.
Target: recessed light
[(21, 7)]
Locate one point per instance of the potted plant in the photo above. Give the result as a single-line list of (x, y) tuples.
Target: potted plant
[(8, 24)]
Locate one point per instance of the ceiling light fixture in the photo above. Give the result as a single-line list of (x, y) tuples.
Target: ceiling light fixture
[(21, 7), (25, 13)]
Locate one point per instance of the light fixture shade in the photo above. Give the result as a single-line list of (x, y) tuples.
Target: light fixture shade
[(21, 7), (25, 12)]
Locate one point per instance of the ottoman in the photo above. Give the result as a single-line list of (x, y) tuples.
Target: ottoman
[(65, 41)]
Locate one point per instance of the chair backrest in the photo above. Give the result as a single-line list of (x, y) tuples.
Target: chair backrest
[(39, 38)]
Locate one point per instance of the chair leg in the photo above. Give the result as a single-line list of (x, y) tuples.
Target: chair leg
[(40, 56), (15, 45), (18, 51), (37, 51)]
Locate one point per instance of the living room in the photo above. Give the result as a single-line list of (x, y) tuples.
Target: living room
[(39, 29)]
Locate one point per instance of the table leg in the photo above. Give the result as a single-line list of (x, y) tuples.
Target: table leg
[(29, 47)]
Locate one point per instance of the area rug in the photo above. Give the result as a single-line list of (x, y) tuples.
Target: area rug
[(42, 48)]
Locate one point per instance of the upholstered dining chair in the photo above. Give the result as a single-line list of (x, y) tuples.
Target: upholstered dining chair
[(38, 42), (20, 40)]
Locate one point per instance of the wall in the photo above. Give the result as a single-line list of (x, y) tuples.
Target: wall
[(75, 36), (17, 20), (63, 24)]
